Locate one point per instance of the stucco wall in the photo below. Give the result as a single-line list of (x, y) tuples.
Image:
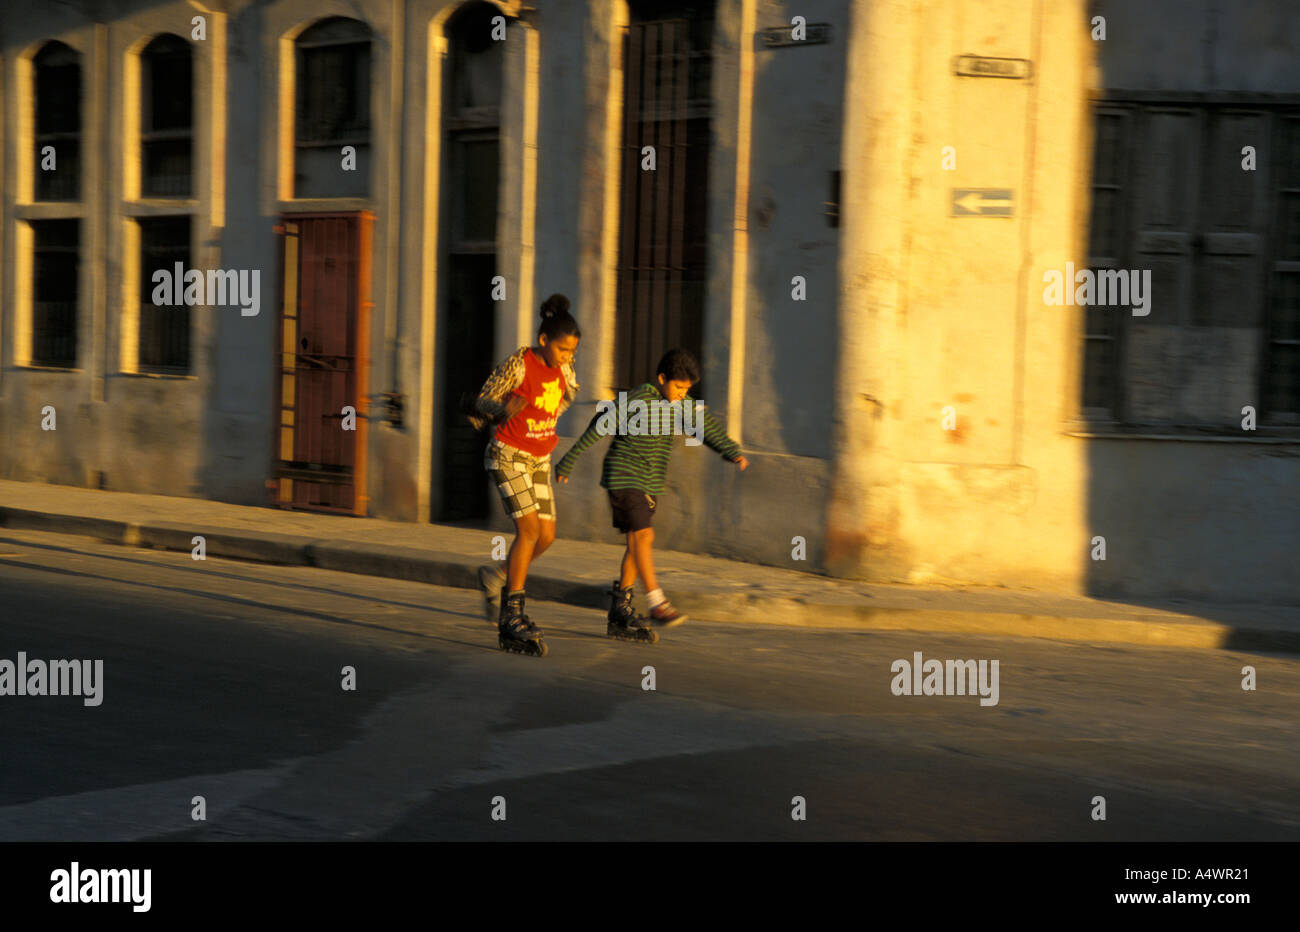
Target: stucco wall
[(942, 314), (839, 399)]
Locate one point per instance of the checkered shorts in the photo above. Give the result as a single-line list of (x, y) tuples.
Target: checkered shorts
[(523, 480)]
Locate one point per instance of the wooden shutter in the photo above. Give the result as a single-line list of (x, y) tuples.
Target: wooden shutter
[(1220, 348), (1166, 185)]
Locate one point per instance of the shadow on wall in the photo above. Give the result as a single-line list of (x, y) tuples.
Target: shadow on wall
[(1210, 515)]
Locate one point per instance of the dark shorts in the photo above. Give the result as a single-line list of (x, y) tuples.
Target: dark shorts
[(632, 509)]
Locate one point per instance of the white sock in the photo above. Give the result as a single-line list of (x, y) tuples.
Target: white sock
[(655, 598)]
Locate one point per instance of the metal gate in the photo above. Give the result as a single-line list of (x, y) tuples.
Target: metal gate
[(322, 360), (663, 235)]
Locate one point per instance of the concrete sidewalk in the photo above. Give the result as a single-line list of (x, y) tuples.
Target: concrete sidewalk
[(579, 573)]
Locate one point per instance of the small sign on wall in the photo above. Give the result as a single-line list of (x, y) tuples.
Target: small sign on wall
[(982, 202), (784, 36), (979, 66)]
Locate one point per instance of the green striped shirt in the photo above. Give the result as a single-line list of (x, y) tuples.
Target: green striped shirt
[(641, 461)]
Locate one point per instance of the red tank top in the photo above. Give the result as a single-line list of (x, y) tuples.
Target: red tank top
[(533, 429)]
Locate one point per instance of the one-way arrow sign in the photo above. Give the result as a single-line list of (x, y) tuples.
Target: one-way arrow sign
[(981, 202)]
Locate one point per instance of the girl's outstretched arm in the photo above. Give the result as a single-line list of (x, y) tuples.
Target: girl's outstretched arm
[(570, 386), (505, 378)]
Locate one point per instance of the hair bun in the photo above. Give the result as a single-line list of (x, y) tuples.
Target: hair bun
[(555, 305)]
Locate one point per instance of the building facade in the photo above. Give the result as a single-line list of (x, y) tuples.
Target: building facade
[(847, 210)]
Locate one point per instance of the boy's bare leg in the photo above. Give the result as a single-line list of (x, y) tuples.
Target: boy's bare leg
[(527, 533), (627, 572), (661, 611), (642, 543)]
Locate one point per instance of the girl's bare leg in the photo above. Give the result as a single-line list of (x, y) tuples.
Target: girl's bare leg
[(527, 534)]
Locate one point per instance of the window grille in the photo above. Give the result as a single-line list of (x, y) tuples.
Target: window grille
[(165, 328), (333, 109), (58, 122), (663, 238), (54, 319), (167, 118)]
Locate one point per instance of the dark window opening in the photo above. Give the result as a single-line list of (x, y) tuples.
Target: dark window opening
[(54, 319), (833, 205), (333, 109), (164, 328), (1282, 347), (58, 122), (167, 118), (1102, 325), (477, 62)]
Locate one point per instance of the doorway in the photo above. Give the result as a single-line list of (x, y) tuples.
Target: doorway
[(319, 460), (471, 176)]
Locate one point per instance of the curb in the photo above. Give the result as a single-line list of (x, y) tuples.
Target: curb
[(438, 568), (442, 568), (1164, 630)]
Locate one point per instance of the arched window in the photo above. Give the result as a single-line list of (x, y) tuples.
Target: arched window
[(333, 109), (477, 60), (473, 120), (58, 123), (167, 118)]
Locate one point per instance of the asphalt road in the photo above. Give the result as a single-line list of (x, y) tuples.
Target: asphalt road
[(224, 680)]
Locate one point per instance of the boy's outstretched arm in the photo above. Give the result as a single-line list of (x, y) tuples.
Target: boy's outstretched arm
[(570, 459), (717, 439)]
